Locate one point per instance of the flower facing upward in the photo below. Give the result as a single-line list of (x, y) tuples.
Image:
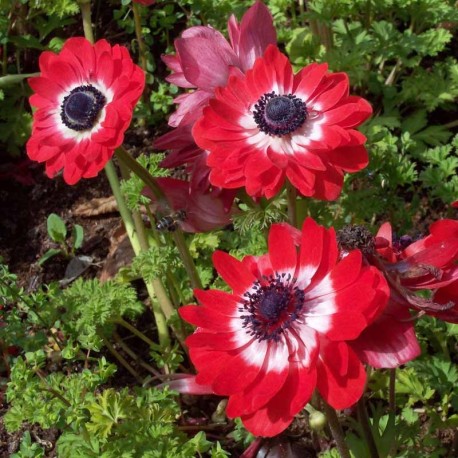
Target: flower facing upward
[(84, 97), (270, 124), (284, 329)]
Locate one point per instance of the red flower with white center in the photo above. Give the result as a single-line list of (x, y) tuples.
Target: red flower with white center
[(270, 124), (285, 328), (202, 62), (85, 98), (193, 211)]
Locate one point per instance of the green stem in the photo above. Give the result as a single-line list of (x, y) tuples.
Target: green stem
[(139, 35), (367, 431), (122, 322), (51, 390), (336, 430), (140, 171), (149, 180), (187, 259), (122, 360), (134, 356), (451, 124), (164, 309), (122, 207), (85, 6), (392, 392), (291, 196)]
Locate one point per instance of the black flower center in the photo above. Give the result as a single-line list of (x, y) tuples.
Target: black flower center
[(271, 307), (81, 107), (279, 115)]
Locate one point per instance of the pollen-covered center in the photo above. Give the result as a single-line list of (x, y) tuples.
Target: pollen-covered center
[(271, 306), (278, 115), (80, 109)]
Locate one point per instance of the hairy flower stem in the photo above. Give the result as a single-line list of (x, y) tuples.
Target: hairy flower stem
[(129, 223), (392, 391), (336, 430), (126, 215), (291, 196), (364, 422), (122, 360), (85, 6)]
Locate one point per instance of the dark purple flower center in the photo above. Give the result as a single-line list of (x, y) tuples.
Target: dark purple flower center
[(81, 107), (271, 307), (279, 115)]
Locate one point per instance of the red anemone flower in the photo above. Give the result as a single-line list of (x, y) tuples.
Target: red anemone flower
[(270, 124), (85, 98), (192, 210), (285, 328), (428, 263), (202, 62)]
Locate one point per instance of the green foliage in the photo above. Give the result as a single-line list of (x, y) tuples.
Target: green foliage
[(155, 262), (28, 448), (53, 400), (60, 8), (57, 231), (90, 310), (133, 187)]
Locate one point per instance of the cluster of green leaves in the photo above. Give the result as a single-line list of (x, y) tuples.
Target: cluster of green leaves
[(426, 395), (96, 422), (57, 231), (89, 310), (395, 54)]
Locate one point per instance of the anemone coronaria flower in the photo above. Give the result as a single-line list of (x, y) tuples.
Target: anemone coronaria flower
[(429, 263), (285, 328), (201, 63), (85, 98), (270, 124), (204, 57)]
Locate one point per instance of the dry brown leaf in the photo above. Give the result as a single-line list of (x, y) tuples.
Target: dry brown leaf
[(119, 255), (97, 206)]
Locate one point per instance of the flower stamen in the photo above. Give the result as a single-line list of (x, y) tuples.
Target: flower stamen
[(80, 109), (278, 115), (272, 307)]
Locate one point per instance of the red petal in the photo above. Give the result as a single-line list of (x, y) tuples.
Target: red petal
[(233, 272), (282, 250), (341, 376)]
